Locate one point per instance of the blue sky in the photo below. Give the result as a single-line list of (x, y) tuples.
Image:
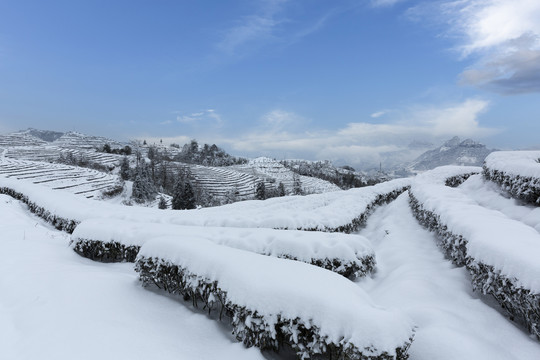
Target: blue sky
[(349, 81)]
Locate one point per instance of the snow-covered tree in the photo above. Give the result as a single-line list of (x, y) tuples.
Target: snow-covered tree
[(162, 203), (143, 186), (260, 191), (124, 168)]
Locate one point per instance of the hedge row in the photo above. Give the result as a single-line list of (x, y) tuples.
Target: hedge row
[(360, 221), (519, 302), (249, 327), (115, 251), (59, 223), (521, 187), (455, 181)]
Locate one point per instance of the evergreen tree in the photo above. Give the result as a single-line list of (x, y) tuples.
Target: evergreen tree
[(124, 168), (143, 187), (260, 191), (297, 185), (178, 191), (162, 203), (188, 196), (281, 189)]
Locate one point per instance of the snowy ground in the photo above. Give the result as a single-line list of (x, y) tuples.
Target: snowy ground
[(57, 305), (412, 275)]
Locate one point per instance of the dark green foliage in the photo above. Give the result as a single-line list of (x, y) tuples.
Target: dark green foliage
[(188, 196), (125, 170), (126, 150), (248, 326), (516, 300), (521, 187), (207, 155), (457, 180), (183, 193), (297, 185), (281, 190), (105, 251), (260, 191), (162, 203), (143, 187)]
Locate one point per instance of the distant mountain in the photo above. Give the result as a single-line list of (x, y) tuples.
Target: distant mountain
[(453, 152)]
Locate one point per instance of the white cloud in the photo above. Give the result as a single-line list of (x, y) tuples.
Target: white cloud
[(378, 114), (360, 143), (209, 115), (503, 36)]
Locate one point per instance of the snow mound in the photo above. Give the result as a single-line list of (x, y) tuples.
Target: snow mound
[(348, 255), (343, 211), (272, 300), (517, 172)]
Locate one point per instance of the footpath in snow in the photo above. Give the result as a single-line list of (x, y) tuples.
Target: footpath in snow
[(413, 276), (55, 304)]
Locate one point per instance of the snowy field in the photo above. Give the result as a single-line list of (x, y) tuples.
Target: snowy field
[(55, 304)]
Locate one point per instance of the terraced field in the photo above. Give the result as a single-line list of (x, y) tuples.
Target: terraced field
[(80, 181), (274, 172), (52, 153)]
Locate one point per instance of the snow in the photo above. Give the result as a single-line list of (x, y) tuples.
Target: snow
[(413, 276), (489, 195), (272, 286), (508, 245), (523, 163), (57, 305), (318, 211), (302, 245)]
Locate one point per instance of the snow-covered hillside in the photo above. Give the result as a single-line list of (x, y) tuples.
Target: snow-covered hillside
[(447, 257)]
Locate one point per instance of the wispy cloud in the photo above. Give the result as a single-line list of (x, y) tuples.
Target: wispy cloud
[(271, 23), (208, 115), (385, 3), (252, 29), (378, 114), (502, 36)]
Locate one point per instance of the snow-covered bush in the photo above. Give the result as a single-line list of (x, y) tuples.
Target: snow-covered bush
[(58, 222), (273, 302), (117, 240), (517, 172), (501, 254), (456, 180)]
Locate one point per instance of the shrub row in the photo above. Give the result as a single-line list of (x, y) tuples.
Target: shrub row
[(249, 326), (519, 302), (524, 188), (455, 181), (114, 251), (58, 222), (360, 221), (105, 251)]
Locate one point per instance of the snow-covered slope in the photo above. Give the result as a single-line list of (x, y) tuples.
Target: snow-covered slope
[(57, 305), (75, 180)]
